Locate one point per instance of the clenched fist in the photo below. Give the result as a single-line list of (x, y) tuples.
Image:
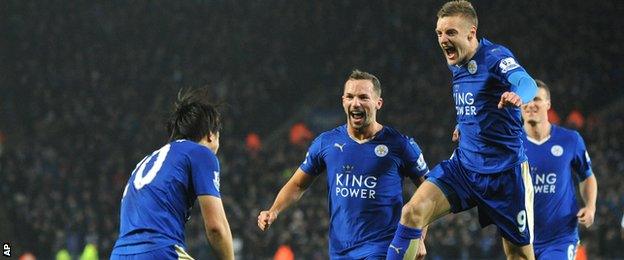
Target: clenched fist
[(265, 219)]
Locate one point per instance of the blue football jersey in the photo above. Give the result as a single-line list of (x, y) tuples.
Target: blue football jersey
[(490, 138), (365, 187), (160, 193), (552, 162)]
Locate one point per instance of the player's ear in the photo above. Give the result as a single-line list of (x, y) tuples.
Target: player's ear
[(547, 104), (472, 33), (379, 103), (211, 137)]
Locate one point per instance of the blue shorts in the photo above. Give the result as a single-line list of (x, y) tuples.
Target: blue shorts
[(504, 199), (168, 252), (564, 248), (366, 251)]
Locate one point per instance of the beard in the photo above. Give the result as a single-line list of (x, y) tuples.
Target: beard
[(359, 126)]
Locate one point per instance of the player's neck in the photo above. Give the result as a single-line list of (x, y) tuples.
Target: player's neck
[(204, 142), (474, 47), (538, 131), (365, 134)]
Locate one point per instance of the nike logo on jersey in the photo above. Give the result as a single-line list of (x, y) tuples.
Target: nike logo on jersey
[(397, 249), (340, 146)]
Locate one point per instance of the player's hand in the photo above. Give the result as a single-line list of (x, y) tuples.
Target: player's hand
[(586, 216), (455, 136), (422, 251), (265, 219), (509, 99)]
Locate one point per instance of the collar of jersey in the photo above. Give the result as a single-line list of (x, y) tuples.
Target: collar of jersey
[(383, 127), (535, 141)]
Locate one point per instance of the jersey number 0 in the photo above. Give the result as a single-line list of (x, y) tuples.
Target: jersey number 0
[(141, 179)]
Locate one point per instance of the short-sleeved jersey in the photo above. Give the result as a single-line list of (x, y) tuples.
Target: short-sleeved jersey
[(160, 193), (490, 138), (365, 187), (553, 162)]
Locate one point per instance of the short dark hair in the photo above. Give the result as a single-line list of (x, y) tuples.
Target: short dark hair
[(542, 85), (362, 75), (193, 117), (459, 7)]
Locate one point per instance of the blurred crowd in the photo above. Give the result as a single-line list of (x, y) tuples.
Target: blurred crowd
[(86, 88)]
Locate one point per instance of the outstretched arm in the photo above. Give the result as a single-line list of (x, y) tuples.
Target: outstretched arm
[(523, 89), (289, 194), (217, 226), (589, 191)]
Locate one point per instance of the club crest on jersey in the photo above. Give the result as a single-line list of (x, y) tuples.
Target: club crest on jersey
[(556, 150), (381, 150), (472, 67)]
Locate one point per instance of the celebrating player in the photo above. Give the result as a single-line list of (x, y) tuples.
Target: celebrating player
[(489, 170), (164, 185), (553, 153), (366, 163)]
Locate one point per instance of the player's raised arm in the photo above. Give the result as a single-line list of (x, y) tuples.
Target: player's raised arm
[(523, 89), (217, 226), (290, 193)]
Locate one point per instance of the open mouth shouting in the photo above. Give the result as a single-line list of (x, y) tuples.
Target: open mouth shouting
[(357, 116), (450, 52)]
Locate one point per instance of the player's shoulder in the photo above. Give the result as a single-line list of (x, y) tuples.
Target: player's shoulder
[(332, 134), (184, 145), (191, 149), (565, 133), (395, 136), (494, 49), (392, 133), (494, 52)]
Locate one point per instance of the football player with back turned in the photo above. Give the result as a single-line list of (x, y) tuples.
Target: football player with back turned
[(164, 186)]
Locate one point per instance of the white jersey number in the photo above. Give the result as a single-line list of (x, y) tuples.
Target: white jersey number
[(521, 218), (141, 179)]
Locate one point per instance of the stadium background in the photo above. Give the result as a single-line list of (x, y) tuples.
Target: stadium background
[(85, 88)]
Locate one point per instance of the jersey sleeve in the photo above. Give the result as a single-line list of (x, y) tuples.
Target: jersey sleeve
[(414, 164), (205, 172), (581, 163), (502, 63), (313, 164)]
